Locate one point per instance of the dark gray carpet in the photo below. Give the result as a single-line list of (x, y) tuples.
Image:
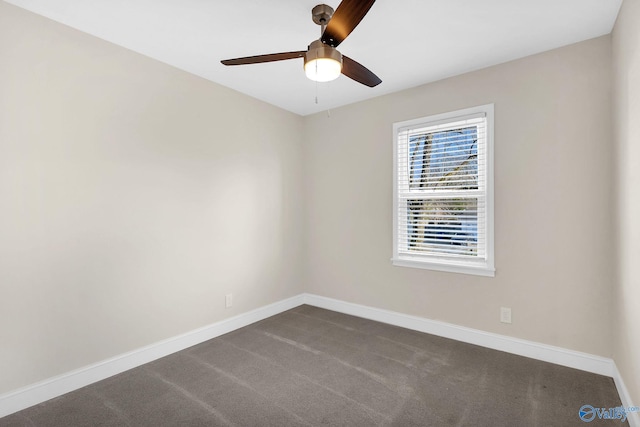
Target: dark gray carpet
[(310, 366)]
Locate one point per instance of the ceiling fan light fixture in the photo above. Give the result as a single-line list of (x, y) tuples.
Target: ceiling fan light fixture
[(322, 63)]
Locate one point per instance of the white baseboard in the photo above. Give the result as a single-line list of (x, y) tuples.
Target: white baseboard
[(53, 387), (560, 356), (625, 397), (56, 386), (547, 353)]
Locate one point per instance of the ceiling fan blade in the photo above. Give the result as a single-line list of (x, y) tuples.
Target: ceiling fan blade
[(346, 17), (359, 73), (264, 58)]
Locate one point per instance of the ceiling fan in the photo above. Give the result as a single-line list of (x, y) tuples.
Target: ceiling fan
[(322, 61)]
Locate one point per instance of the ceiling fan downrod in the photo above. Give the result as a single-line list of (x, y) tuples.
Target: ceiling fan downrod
[(321, 14)]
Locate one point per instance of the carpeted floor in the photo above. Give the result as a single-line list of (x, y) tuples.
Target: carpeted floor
[(310, 366)]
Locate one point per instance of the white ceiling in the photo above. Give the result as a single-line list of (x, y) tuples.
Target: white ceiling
[(405, 42)]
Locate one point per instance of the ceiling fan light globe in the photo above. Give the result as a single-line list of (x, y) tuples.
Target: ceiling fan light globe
[(322, 63), (323, 69)]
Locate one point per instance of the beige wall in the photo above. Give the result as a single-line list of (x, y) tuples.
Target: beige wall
[(626, 308), (553, 164), (128, 193)]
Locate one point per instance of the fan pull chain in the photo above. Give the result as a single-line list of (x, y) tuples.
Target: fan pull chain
[(316, 83)]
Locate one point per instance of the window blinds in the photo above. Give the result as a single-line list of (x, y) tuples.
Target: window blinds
[(441, 189)]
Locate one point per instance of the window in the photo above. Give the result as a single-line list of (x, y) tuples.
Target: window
[(443, 192)]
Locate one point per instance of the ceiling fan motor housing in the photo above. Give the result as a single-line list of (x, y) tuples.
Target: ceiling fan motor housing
[(318, 50)]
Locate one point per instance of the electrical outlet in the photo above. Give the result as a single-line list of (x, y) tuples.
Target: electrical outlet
[(505, 314), (228, 300)]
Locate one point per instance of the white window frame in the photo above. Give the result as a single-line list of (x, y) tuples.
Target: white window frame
[(481, 267)]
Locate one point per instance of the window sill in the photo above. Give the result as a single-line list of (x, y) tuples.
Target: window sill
[(476, 270)]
